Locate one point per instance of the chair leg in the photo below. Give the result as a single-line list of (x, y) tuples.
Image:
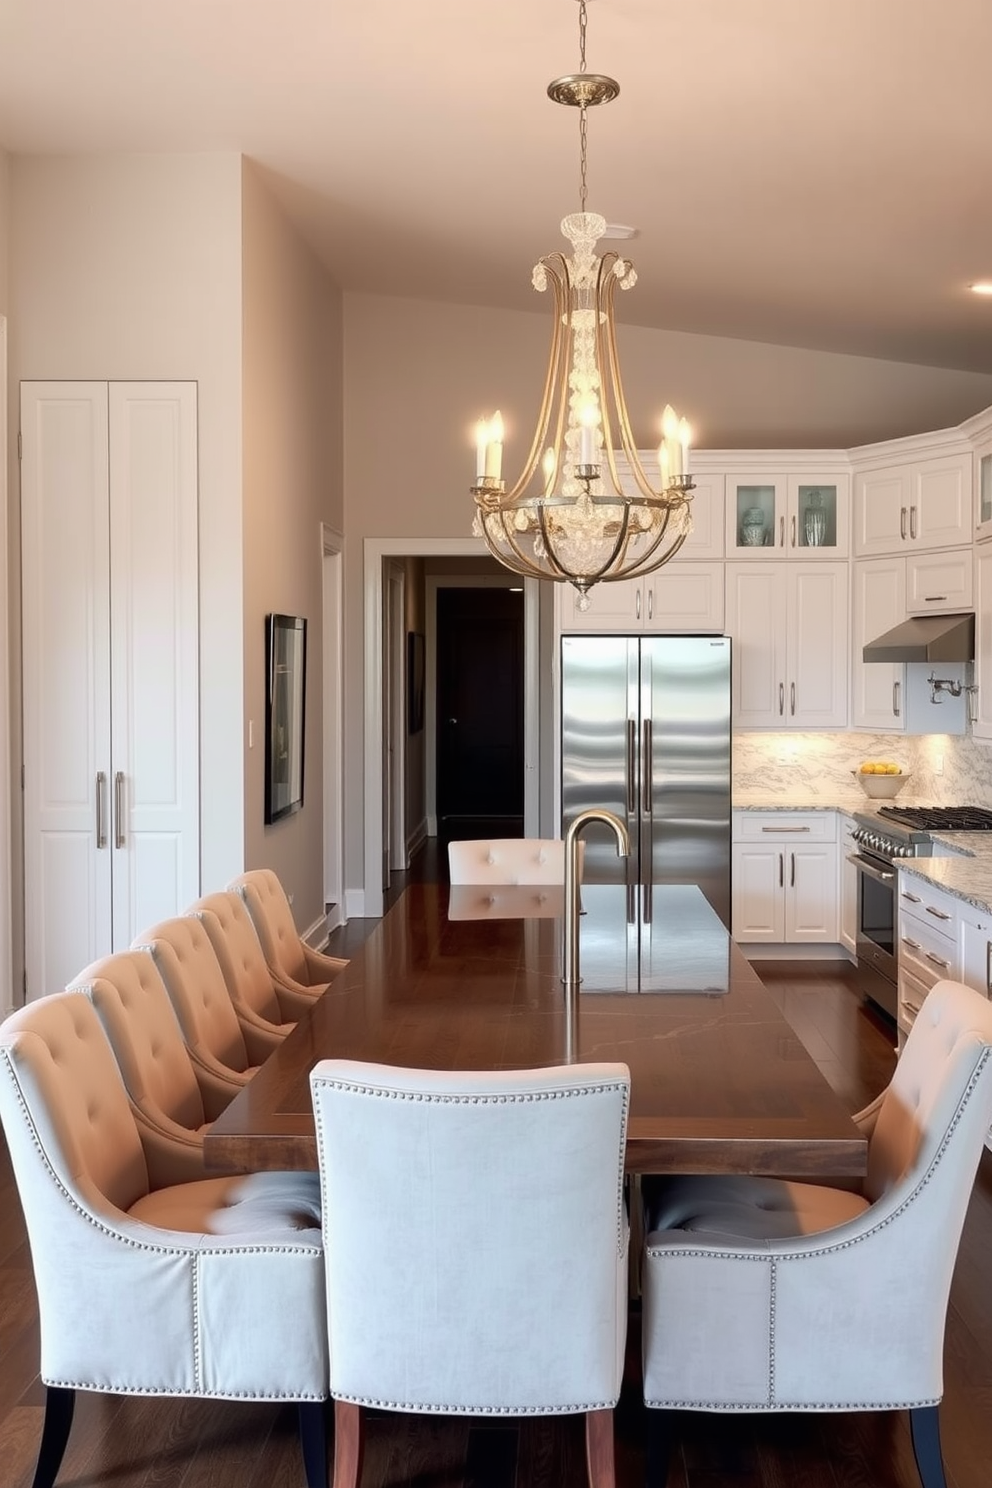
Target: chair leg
[(59, 1405), (659, 1447), (349, 1444), (313, 1441), (924, 1425), (599, 1449)]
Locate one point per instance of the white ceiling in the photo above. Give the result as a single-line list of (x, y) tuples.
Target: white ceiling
[(815, 173)]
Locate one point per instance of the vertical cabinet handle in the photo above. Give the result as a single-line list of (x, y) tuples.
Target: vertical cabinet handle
[(781, 870), (902, 523), (781, 698), (651, 604), (119, 809), (793, 531), (792, 871), (637, 605), (781, 532), (912, 522), (101, 809), (792, 698), (988, 968), (648, 769), (896, 686)]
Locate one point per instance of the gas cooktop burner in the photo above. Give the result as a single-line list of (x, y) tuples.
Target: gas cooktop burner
[(940, 818)]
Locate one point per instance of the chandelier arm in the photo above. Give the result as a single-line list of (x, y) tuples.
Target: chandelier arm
[(646, 566), (557, 268), (514, 560), (606, 332)]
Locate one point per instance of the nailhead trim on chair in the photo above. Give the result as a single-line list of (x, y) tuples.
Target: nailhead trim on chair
[(504, 1098), (799, 1255), (476, 1410)]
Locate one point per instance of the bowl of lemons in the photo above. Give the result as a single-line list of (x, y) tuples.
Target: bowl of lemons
[(881, 779)]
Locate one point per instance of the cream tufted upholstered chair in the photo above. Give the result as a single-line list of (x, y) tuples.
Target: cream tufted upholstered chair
[(294, 966), (174, 1101), (266, 1012), (212, 1289), (762, 1295), (502, 1287), (509, 860), (186, 962)]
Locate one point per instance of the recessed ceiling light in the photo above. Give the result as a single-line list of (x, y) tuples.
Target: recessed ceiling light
[(984, 286)]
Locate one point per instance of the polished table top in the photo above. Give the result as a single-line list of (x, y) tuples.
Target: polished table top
[(719, 1081)]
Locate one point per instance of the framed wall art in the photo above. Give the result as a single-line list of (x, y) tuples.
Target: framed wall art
[(414, 681), (285, 713)]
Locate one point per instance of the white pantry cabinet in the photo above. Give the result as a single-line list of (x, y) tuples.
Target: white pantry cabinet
[(785, 885), (917, 505), (790, 630), (110, 655)]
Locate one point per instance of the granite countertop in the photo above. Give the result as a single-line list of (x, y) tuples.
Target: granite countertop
[(962, 866)]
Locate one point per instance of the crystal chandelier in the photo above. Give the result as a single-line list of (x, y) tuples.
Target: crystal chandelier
[(567, 517)]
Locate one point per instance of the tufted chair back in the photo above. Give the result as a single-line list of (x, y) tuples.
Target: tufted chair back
[(140, 1023), (509, 860), (764, 1295), (266, 1015), (187, 964), (292, 963), (504, 1290), (210, 1288)]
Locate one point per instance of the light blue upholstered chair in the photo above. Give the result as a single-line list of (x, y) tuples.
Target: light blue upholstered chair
[(475, 1244), (762, 1295)]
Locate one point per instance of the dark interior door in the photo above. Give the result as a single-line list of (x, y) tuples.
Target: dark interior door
[(480, 713)]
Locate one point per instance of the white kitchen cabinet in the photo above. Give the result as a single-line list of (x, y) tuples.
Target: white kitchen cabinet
[(879, 602), (783, 515), (785, 884), (686, 597), (917, 505), (110, 652), (926, 943), (939, 583), (983, 490), (705, 541), (975, 947), (981, 699), (790, 630)]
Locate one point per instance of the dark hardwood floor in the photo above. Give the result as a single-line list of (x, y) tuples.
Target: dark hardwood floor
[(137, 1443)]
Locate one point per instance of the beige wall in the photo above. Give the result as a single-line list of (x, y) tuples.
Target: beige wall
[(418, 375), (292, 483), (130, 267)]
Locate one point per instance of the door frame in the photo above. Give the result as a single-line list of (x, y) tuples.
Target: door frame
[(332, 618), (394, 730), (9, 999), (375, 550)]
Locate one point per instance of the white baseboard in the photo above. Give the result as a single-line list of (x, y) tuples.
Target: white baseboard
[(354, 904), (316, 935), (416, 839), (335, 917)]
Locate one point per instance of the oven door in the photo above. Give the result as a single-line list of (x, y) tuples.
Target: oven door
[(876, 930)]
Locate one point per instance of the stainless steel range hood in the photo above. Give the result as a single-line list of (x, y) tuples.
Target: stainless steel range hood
[(926, 638)]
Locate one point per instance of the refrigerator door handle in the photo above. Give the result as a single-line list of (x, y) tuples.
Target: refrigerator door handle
[(647, 765), (648, 898), (631, 763)]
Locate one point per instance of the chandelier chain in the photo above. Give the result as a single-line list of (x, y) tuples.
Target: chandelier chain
[(582, 35), (583, 140)]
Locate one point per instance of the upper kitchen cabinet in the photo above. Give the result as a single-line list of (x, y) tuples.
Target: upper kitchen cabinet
[(686, 594), (983, 493), (790, 630), (787, 515), (916, 505)]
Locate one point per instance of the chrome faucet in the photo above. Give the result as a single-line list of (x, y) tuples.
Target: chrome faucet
[(570, 971)]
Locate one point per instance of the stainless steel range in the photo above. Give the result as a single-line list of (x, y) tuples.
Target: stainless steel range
[(884, 837)]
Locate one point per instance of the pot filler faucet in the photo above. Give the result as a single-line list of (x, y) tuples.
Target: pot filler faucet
[(570, 973)]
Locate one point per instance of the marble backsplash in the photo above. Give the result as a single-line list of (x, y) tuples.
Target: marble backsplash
[(947, 770)]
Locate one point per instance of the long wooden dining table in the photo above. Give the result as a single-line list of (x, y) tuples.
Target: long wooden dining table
[(471, 979)]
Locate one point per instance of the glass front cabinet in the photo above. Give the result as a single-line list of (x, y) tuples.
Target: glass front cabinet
[(795, 516), (983, 491)]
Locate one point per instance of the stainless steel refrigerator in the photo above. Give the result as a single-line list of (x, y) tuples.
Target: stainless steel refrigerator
[(645, 732)]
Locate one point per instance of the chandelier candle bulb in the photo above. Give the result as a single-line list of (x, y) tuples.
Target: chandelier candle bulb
[(494, 447), (664, 465), (670, 430), (481, 441), (685, 435), (587, 454)]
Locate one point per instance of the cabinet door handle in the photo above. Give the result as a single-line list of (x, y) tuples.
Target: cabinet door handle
[(988, 968), (912, 522), (792, 698), (637, 605), (781, 870), (781, 698), (119, 809), (792, 871), (902, 523), (781, 532), (938, 914), (914, 945), (779, 830), (793, 531), (913, 898), (101, 809), (650, 604), (935, 599), (896, 696), (938, 960)]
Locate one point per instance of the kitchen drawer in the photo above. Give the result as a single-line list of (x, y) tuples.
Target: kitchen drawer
[(911, 995), (926, 953), (928, 903), (939, 583), (785, 826)]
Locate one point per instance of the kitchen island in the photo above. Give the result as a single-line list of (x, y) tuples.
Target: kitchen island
[(720, 1082)]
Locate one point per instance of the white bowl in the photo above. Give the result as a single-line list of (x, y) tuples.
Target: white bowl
[(881, 787)]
